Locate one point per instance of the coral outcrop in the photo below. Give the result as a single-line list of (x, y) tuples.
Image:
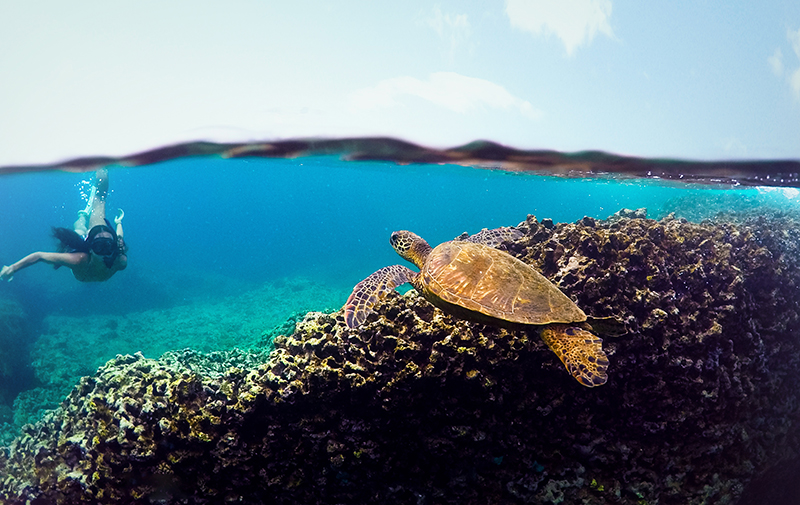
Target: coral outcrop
[(701, 405), (14, 355)]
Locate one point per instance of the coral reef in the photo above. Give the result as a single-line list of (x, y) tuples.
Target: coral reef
[(71, 347), (420, 407), (699, 205)]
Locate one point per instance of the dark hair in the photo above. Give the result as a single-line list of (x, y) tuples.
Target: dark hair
[(69, 240)]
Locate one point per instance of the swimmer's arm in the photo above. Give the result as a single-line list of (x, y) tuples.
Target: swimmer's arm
[(118, 222), (56, 259)]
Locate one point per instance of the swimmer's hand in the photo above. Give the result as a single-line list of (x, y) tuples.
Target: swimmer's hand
[(6, 274), (118, 219)]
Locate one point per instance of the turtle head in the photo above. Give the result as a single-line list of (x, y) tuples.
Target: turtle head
[(410, 246)]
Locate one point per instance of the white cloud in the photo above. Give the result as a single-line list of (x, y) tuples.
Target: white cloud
[(450, 90), (794, 82), (453, 30), (794, 39), (733, 145), (776, 62), (575, 22), (794, 77)]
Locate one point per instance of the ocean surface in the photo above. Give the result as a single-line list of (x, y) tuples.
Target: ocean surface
[(225, 251)]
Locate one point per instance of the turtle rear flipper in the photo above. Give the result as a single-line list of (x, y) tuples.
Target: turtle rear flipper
[(369, 291), (495, 237), (581, 352)]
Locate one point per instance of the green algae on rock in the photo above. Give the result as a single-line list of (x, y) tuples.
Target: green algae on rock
[(421, 407)]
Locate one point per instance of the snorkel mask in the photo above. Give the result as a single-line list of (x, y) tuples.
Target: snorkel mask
[(105, 244)]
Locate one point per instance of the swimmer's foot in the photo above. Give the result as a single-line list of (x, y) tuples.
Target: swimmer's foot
[(6, 274)]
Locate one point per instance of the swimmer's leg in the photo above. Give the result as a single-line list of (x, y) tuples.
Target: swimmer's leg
[(88, 209), (97, 202), (81, 225)]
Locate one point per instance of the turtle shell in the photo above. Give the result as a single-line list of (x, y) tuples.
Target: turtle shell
[(492, 283)]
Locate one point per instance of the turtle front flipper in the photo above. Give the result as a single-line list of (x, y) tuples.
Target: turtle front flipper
[(369, 291), (580, 350)]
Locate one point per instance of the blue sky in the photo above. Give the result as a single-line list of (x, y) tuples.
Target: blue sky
[(689, 79)]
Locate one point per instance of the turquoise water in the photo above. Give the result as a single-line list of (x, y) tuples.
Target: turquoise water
[(223, 251), (257, 219)]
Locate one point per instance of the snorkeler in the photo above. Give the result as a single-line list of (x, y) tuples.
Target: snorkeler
[(94, 250)]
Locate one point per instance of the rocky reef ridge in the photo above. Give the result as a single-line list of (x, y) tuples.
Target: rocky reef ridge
[(701, 405)]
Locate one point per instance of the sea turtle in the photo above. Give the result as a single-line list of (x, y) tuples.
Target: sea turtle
[(470, 278)]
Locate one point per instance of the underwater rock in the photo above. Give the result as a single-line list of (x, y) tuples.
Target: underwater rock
[(420, 407), (14, 354), (627, 214), (12, 320)]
